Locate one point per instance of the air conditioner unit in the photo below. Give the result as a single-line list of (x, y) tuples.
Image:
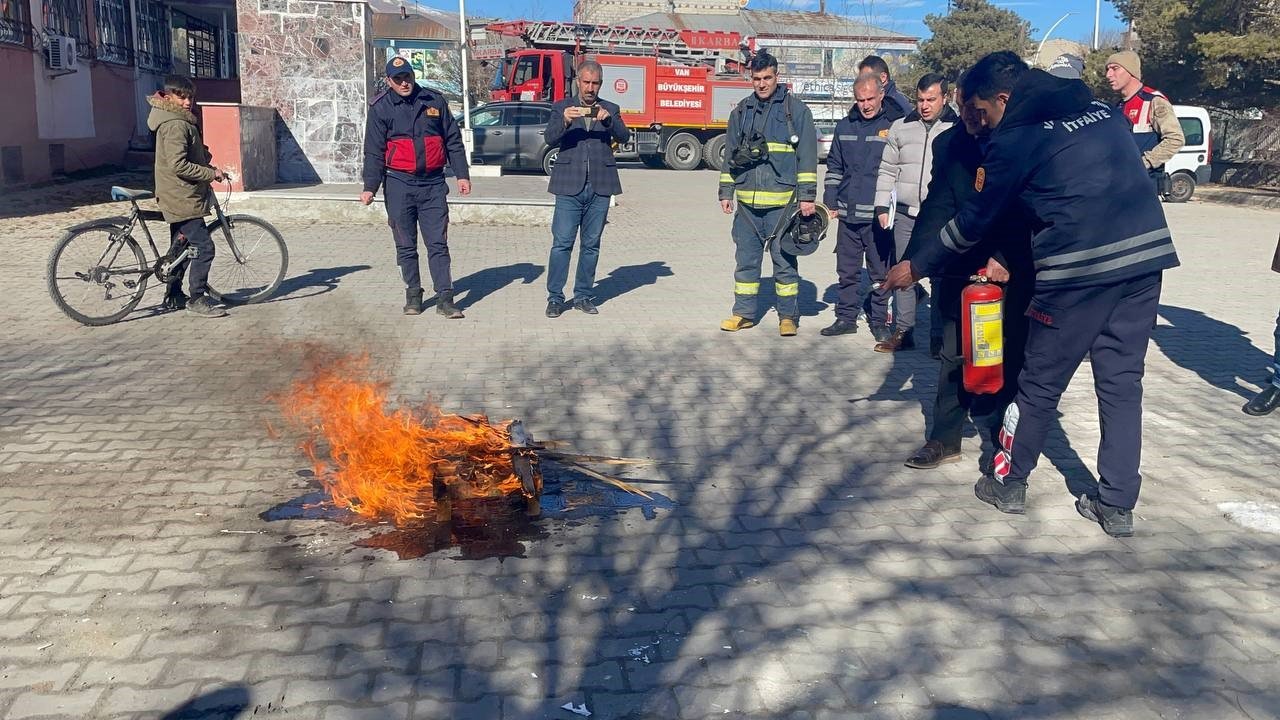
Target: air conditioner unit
[(60, 53)]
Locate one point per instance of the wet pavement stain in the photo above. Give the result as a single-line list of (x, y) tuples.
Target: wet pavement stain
[(481, 528)]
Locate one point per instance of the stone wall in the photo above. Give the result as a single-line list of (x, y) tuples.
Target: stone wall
[(311, 61)]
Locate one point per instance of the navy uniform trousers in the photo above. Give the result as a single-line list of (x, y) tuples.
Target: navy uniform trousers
[(1113, 326), (413, 205), (854, 244)]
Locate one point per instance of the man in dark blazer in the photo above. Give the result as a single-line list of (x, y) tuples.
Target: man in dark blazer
[(584, 177)]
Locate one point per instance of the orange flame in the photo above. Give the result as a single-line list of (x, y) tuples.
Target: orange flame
[(393, 464)]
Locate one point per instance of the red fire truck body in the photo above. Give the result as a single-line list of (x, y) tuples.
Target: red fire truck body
[(675, 88)]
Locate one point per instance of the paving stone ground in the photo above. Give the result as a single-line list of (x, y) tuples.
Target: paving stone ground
[(799, 571)]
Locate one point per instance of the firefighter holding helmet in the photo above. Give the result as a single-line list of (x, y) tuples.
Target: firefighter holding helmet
[(771, 167)]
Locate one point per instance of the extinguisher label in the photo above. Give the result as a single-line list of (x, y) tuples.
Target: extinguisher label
[(986, 319)]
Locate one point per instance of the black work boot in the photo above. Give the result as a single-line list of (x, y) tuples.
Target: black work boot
[(840, 327), (1116, 522), (445, 306), (1264, 402), (413, 301), (881, 333), (1007, 498)]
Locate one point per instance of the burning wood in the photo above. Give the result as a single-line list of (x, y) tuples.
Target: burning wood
[(408, 466)]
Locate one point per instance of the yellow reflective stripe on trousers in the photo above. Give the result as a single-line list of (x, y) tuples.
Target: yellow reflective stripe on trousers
[(741, 288), (807, 177), (763, 198), (726, 178), (780, 147), (787, 289)]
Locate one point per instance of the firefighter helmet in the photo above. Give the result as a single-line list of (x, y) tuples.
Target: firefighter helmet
[(802, 234)]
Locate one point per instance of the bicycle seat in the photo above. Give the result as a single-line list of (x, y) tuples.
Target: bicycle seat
[(121, 193)]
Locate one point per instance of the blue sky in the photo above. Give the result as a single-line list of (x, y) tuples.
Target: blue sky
[(905, 16)]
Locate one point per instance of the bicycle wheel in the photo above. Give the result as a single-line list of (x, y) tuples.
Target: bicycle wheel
[(96, 274), (265, 261)]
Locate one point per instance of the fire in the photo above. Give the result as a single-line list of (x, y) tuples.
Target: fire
[(399, 464)]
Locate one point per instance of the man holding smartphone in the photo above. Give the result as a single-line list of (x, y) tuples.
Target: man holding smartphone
[(584, 177)]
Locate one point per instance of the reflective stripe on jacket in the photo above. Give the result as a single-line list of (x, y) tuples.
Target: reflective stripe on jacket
[(853, 165), (1071, 161), (791, 168)]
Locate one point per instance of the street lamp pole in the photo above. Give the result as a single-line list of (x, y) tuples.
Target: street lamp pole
[(1049, 32), (463, 39), (1097, 13)]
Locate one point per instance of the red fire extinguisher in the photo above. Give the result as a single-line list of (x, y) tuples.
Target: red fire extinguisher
[(982, 327)]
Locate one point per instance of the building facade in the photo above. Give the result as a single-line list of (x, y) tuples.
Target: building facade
[(617, 12), (77, 73)]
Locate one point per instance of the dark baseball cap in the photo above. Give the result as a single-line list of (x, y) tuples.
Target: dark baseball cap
[(1067, 66), (398, 65)]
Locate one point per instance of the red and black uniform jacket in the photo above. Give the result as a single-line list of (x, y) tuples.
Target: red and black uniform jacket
[(411, 138)]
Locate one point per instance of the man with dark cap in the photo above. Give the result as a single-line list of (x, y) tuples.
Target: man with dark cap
[(1067, 66), (409, 137)]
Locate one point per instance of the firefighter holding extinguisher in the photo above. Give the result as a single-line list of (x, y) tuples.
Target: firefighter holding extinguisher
[(1100, 246), (1004, 258), (410, 136)]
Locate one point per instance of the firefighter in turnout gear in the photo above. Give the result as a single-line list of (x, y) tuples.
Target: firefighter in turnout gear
[(409, 137), (771, 168)]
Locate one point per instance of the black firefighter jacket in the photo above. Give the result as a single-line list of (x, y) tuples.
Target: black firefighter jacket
[(1072, 162)]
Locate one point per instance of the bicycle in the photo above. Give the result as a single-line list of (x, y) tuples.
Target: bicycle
[(97, 272)]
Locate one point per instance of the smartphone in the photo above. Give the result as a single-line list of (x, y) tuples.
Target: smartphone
[(591, 110)]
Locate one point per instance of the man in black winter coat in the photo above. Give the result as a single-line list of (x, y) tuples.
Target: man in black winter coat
[(1100, 245), (1006, 256)]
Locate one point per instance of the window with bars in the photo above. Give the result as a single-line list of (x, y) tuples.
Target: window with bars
[(15, 26), (69, 18), (154, 49), (115, 36), (202, 50)]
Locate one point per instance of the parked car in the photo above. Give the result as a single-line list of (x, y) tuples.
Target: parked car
[(1191, 165), (509, 134), (826, 133)]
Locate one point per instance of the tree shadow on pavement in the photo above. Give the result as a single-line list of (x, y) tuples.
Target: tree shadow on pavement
[(483, 283), (626, 278), (800, 575), (1220, 353), (225, 703), (318, 280)]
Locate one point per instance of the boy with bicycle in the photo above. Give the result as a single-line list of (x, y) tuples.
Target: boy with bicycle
[(183, 192)]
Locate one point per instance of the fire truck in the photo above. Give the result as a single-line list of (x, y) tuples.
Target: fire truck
[(675, 88)]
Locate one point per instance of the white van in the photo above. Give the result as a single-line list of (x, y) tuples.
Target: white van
[(1190, 166)]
